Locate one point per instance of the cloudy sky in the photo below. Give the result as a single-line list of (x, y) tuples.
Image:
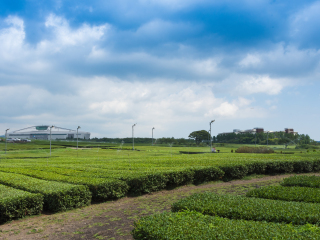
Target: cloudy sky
[(170, 64)]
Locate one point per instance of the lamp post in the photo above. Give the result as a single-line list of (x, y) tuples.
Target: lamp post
[(211, 135), (6, 139), (50, 138), (152, 135), (77, 136), (255, 138), (133, 136)]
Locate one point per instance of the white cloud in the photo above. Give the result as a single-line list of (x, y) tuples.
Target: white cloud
[(261, 84), (250, 60), (65, 36)]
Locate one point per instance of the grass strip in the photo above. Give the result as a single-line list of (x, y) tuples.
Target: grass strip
[(57, 196), (196, 226), (238, 207), (16, 203)]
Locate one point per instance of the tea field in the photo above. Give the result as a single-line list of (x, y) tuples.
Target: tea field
[(69, 178), (264, 213)]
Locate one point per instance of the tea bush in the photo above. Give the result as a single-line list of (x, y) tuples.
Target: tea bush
[(296, 194), (196, 226), (16, 203), (238, 207)]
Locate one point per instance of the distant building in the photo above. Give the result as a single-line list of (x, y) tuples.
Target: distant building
[(43, 133), (258, 130)]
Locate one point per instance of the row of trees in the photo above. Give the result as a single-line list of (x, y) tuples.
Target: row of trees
[(203, 136), (264, 138), (276, 138)]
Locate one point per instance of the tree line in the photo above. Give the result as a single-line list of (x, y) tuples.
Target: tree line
[(203, 137)]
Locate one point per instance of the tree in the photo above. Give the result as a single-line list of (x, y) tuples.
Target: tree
[(199, 136)]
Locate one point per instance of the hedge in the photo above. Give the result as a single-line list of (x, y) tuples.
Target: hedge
[(296, 194), (102, 189), (57, 196), (238, 207), (16, 203), (196, 226), (108, 184), (302, 181)]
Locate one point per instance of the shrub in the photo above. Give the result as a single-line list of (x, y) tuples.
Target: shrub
[(206, 174), (57, 196), (296, 194), (16, 203), (302, 181), (196, 226), (102, 189), (234, 171), (246, 149), (152, 182), (178, 178), (238, 207)]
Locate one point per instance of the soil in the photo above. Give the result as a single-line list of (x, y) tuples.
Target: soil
[(115, 219)]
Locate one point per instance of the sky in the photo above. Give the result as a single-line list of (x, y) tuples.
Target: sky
[(174, 65)]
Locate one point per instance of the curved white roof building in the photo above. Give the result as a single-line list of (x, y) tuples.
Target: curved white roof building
[(43, 133)]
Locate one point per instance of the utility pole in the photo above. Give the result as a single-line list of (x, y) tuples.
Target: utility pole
[(6, 139), (267, 138), (211, 135), (152, 135), (133, 135)]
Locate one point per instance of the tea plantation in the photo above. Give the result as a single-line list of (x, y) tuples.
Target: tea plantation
[(71, 178), (213, 216)]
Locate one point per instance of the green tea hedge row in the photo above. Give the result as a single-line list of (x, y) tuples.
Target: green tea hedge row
[(196, 226), (102, 189), (57, 196), (296, 194), (239, 170), (116, 184), (170, 178), (302, 181), (16, 203), (238, 207), (112, 183)]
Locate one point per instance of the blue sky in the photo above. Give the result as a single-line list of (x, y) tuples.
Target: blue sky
[(173, 64)]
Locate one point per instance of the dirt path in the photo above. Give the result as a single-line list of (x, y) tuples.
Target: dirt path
[(114, 219)]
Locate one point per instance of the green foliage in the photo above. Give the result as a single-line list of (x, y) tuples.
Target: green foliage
[(273, 138), (296, 194), (199, 136), (16, 203), (57, 196), (102, 189), (246, 149), (238, 207), (207, 174), (234, 171), (196, 226), (302, 181)]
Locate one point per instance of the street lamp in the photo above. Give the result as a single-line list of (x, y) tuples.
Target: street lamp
[(50, 138), (6, 139), (152, 135), (255, 138), (133, 136), (211, 135), (77, 135)]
